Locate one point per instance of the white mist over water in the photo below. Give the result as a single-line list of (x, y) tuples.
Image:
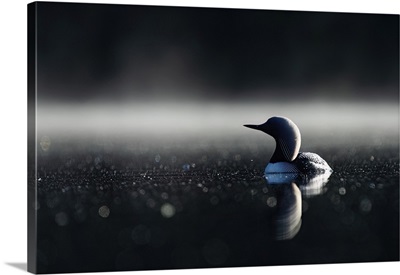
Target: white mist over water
[(203, 120)]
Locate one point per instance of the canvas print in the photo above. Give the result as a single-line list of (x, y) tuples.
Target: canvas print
[(180, 137)]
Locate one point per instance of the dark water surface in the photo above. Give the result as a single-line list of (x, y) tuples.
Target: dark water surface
[(132, 206)]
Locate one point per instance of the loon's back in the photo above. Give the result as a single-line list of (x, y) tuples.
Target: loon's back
[(308, 162)]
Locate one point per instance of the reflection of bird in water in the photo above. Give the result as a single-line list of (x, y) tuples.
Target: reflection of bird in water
[(310, 185), (287, 158), (289, 188), (288, 216)]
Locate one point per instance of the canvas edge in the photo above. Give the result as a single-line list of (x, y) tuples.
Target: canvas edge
[(31, 139)]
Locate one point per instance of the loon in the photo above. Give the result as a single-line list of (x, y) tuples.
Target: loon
[(287, 158)]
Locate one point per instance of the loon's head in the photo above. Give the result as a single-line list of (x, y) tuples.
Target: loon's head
[(286, 135)]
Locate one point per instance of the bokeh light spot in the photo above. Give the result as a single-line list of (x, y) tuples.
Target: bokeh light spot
[(62, 219), (168, 210), (271, 201), (45, 143), (104, 211)]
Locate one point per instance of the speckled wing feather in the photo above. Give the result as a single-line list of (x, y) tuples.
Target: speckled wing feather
[(311, 163)]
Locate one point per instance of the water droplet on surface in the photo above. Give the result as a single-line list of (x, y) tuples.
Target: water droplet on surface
[(342, 191), (157, 158)]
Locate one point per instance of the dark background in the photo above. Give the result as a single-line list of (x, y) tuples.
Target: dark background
[(130, 52)]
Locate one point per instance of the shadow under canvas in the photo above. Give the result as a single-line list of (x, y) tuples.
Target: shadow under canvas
[(21, 266)]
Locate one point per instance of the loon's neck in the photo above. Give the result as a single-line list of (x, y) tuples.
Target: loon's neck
[(283, 152), (278, 156)]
